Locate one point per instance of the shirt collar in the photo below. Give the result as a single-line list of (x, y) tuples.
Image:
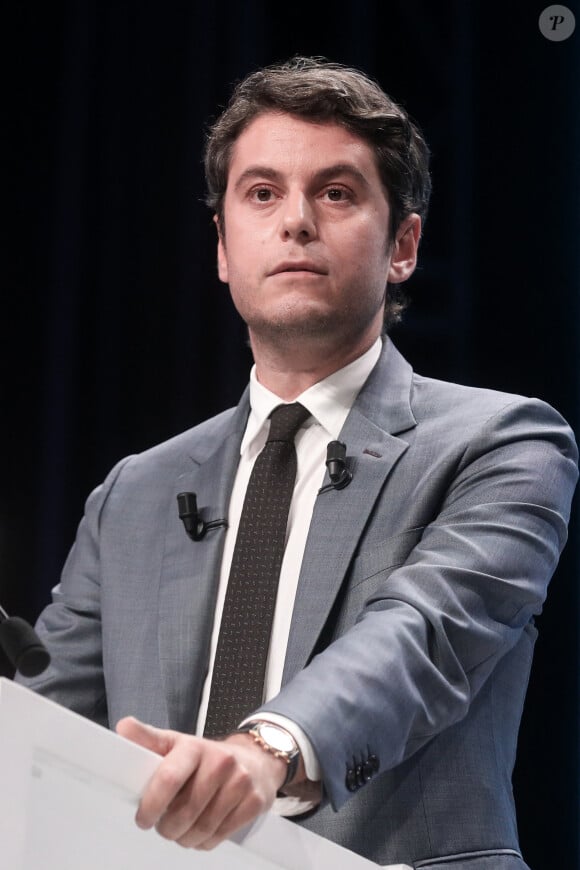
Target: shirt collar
[(329, 401)]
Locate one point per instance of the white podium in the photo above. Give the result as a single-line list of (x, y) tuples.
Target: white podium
[(68, 794)]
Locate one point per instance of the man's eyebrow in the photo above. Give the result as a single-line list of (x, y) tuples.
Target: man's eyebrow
[(330, 172), (257, 171), (321, 177)]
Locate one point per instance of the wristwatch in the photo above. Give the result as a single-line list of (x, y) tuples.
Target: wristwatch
[(276, 740)]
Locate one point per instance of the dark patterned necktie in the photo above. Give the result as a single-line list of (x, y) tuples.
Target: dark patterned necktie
[(240, 664)]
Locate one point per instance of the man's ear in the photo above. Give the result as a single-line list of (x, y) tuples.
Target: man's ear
[(404, 253), (222, 261)]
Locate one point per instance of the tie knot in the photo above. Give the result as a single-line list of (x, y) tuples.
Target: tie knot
[(286, 420)]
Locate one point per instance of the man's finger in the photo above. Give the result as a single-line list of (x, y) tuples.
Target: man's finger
[(181, 759), (209, 831), (217, 781), (244, 784), (229, 787)]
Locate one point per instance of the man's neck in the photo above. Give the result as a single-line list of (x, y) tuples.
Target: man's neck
[(288, 374)]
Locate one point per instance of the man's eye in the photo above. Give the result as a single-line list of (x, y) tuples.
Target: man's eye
[(262, 194), (336, 194)]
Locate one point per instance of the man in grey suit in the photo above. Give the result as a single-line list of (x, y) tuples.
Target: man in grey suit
[(404, 624)]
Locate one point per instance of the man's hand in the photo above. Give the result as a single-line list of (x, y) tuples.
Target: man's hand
[(203, 790)]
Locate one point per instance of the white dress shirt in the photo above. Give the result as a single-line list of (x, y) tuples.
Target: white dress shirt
[(329, 402)]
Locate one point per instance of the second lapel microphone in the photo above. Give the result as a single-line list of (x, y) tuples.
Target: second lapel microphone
[(195, 527), (340, 475)]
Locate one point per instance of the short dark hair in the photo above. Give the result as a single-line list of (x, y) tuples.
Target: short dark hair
[(317, 89)]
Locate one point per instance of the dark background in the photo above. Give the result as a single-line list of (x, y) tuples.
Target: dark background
[(116, 332)]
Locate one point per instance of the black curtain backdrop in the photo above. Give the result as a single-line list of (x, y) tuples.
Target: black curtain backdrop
[(116, 332)]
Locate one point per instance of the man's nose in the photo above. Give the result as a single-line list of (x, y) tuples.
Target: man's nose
[(298, 218)]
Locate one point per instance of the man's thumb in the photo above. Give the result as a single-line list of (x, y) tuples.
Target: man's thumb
[(145, 735)]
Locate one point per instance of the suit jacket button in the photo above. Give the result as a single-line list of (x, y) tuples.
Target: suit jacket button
[(351, 782), (368, 771)]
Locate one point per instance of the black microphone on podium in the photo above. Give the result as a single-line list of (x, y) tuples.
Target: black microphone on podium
[(195, 527), (340, 475), (22, 645)]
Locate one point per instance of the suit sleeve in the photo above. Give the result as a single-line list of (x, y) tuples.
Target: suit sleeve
[(432, 630), (73, 621)]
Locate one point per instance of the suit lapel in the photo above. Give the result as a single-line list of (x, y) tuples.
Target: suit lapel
[(190, 571), (339, 518)]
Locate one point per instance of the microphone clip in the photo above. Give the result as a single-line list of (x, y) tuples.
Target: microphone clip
[(195, 527), (340, 475)]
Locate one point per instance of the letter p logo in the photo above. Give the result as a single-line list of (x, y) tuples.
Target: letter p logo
[(557, 23)]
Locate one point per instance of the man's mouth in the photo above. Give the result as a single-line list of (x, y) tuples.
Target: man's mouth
[(298, 266)]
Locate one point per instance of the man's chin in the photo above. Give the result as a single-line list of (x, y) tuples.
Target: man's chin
[(296, 325), (293, 326)]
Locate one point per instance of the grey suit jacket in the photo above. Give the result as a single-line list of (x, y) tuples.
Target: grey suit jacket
[(413, 627)]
